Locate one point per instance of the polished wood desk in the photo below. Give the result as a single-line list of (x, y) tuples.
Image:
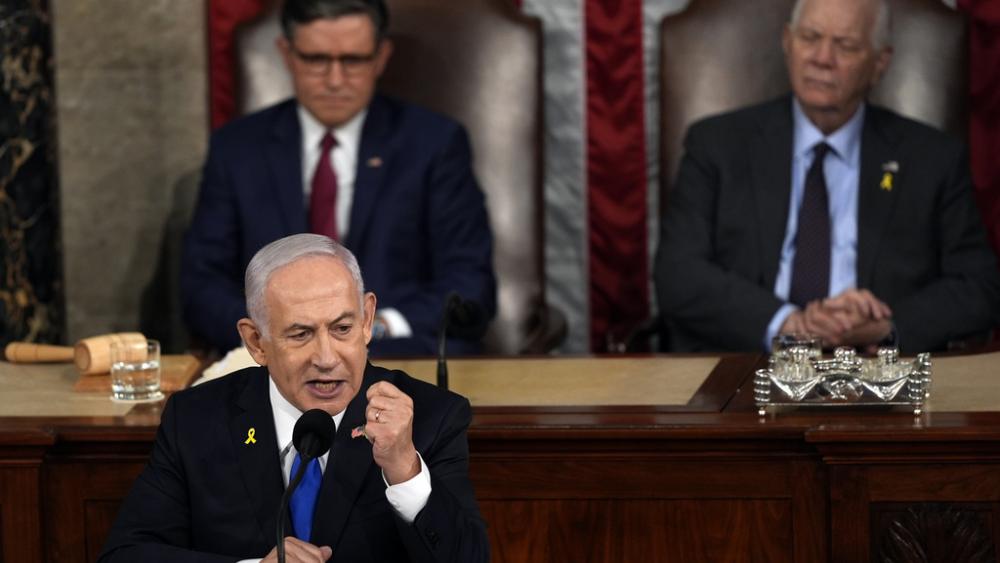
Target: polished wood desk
[(684, 473)]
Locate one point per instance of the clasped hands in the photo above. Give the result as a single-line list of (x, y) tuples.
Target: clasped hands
[(855, 317)]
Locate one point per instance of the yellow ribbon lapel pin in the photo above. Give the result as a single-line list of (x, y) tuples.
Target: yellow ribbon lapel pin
[(889, 170), (250, 439), (886, 183)]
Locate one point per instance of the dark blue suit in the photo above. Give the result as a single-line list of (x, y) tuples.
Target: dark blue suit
[(208, 495), (921, 244), (418, 227)]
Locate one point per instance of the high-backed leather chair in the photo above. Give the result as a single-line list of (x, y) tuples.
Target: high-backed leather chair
[(719, 55), (478, 61)]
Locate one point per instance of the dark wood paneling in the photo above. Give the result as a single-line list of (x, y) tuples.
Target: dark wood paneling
[(82, 498), (609, 483), (98, 516), (810, 506), (933, 532), (20, 519), (577, 476), (948, 482), (599, 531)]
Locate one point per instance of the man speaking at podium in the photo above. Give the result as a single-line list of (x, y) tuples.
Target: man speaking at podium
[(395, 483), (393, 182)]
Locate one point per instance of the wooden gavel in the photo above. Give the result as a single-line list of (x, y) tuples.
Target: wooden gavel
[(90, 355)]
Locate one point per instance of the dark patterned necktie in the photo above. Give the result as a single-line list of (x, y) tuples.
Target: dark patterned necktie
[(811, 266), (323, 199)]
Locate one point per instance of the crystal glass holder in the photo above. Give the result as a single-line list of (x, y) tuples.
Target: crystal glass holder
[(797, 377)]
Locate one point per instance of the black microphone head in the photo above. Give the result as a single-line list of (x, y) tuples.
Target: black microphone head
[(313, 433), (466, 318)]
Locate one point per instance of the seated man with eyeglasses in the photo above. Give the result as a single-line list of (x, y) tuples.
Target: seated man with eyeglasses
[(393, 182)]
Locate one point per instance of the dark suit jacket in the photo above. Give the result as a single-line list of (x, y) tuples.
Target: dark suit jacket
[(921, 245), (208, 496), (419, 226)]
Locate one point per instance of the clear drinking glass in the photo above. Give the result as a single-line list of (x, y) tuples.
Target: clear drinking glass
[(135, 371), (794, 373), (783, 344)]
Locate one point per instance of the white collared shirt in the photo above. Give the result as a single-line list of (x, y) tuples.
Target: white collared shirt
[(285, 416)]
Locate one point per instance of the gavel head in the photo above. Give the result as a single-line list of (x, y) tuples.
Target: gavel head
[(93, 355)]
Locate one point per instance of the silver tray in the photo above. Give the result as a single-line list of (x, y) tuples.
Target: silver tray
[(800, 376)]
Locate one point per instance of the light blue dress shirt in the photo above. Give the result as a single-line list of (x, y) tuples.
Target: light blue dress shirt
[(841, 168)]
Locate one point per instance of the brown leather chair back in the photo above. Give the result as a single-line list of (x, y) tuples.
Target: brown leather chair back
[(478, 61), (928, 78), (722, 54), (714, 56)]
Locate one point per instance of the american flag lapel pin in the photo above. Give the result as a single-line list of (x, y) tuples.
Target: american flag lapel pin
[(374, 162)]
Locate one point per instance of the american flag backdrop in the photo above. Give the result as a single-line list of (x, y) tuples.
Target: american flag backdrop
[(601, 145)]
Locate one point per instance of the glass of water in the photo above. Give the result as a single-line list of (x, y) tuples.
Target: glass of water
[(797, 348), (135, 371)]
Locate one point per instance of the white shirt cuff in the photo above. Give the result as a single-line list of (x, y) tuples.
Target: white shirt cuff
[(410, 497), (396, 322), (775, 325)]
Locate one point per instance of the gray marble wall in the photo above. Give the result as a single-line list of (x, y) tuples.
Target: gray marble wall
[(131, 93), (30, 290)]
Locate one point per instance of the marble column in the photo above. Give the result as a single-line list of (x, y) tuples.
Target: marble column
[(132, 101), (30, 266)]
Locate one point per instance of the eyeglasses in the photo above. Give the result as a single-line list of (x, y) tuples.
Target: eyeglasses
[(320, 64)]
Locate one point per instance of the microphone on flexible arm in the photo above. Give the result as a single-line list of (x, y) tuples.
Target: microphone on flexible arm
[(461, 318), (312, 437)]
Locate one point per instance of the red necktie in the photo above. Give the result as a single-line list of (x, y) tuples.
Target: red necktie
[(323, 199)]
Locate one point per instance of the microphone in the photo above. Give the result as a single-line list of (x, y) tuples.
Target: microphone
[(462, 319), (312, 437)]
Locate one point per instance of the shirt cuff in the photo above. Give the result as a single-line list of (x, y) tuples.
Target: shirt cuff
[(410, 497), (775, 325), (249, 561), (396, 322)]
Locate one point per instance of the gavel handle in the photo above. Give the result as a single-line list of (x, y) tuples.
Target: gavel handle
[(28, 353)]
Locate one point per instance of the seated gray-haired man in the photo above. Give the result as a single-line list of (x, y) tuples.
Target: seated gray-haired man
[(819, 212), (224, 453)]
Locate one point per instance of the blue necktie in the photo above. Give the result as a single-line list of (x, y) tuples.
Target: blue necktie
[(303, 501)]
